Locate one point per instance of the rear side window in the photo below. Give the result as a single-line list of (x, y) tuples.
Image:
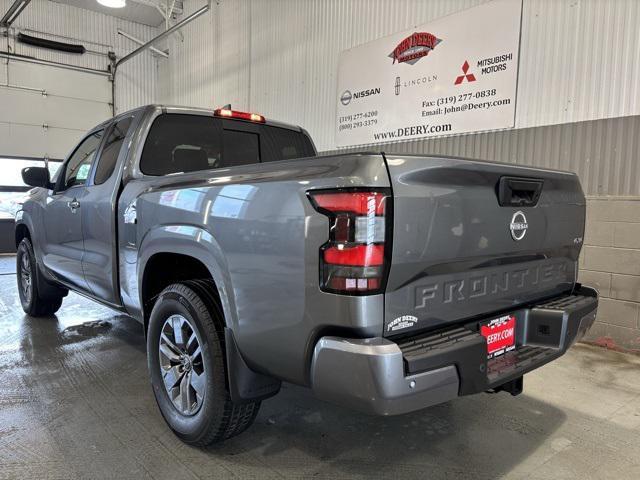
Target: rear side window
[(283, 144), (111, 150), (187, 143), (181, 143)]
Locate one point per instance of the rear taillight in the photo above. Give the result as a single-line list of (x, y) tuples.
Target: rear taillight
[(355, 259)]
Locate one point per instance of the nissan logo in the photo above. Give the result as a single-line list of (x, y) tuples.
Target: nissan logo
[(345, 98), (518, 226)]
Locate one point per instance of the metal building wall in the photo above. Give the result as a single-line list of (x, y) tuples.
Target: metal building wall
[(604, 153), (136, 80), (580, 61), (209, 64), (280, 57)]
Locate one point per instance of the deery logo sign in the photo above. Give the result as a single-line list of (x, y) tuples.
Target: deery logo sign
[(414, 47)]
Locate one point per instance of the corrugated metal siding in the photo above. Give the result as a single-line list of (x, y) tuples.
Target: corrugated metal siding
[(136, 81), (280, 57), (604, 153), (580, 60), (209, 65)]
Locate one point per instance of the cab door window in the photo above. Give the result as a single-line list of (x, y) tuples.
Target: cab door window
[(77, 168), (111, 151)]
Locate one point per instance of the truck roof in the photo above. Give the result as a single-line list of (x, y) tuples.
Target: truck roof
[(202, 111)]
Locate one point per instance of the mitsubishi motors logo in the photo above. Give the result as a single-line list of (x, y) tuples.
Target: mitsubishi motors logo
[(469, 76)]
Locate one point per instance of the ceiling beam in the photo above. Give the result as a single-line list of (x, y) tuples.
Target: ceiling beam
[(158, 4), (165, 34), (14, 11), (141, 42)]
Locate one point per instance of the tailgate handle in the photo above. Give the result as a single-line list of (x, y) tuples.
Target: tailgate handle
[(519, 192)]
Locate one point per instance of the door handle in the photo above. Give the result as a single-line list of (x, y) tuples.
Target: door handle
[(73, 205)]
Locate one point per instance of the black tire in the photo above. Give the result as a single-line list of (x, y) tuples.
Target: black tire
[(33, 302), (215, 416)]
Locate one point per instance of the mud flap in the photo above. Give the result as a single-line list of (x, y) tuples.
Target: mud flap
[(48, 290), (245, 385)]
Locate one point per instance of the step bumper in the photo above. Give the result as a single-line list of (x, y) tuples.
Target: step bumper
[(383, 377)]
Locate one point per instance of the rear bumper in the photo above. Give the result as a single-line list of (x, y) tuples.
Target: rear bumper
[(379, 376)]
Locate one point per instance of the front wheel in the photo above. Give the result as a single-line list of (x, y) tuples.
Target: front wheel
[(33, 303), (186, 361)]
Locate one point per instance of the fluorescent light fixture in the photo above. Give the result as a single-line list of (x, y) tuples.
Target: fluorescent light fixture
[(113, 3)]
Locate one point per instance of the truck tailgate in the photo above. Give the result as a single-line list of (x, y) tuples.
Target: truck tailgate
[(459, 254)]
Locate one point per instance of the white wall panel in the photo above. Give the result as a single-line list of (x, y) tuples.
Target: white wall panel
[(580, 59), (209, 67), (61, 82), (34, 140), (136, 81), (38, 124), (33, 108)]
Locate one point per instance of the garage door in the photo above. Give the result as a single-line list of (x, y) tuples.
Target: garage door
[(45, 109)]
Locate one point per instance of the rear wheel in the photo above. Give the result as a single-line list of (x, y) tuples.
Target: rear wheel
[(186, 360), (33, 303)]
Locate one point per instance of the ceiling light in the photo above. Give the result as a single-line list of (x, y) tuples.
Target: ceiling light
[(113, 3)]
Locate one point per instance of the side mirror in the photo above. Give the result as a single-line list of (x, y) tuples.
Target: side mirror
[(36, 177)]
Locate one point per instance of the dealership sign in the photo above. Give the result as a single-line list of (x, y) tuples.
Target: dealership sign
[(454, 75)]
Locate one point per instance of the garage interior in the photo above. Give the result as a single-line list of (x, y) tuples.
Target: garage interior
[(75, 396)]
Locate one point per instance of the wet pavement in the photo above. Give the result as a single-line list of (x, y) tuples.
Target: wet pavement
[(75, 402), (7, 264)]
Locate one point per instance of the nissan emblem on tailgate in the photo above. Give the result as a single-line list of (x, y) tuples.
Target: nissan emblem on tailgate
[(518, 226)]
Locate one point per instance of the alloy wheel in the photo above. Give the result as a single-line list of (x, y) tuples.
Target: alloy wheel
[(25, 276), (181, 365)]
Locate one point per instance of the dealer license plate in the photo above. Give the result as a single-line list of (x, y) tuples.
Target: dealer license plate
[(500, 334)]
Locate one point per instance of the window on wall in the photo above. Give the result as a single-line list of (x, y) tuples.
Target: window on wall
[(12, 188)]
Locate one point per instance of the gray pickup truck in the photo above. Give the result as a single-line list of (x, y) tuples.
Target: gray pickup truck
[(386, 283)]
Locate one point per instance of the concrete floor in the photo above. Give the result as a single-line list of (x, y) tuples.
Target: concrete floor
[(75, 402)]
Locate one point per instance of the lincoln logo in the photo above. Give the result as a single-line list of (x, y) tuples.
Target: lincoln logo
[(518, 226)]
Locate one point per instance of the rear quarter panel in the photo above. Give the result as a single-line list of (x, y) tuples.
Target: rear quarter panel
[(256, 231)]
